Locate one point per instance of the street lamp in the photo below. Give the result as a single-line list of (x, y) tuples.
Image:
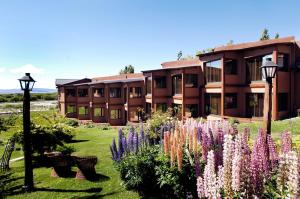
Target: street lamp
[(269, 70), (27, 83)]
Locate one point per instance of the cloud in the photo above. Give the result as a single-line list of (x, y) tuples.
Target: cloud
[(28, 68), (2, 69)]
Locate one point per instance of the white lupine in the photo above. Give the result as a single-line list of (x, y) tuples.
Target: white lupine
[(293, 174), (227, 164), (237, 164), (200, 187)]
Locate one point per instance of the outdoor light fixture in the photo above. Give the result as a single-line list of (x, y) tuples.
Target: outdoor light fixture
[(269, 70), (27, 83)]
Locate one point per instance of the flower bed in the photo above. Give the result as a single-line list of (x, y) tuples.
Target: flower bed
[(207, 160)]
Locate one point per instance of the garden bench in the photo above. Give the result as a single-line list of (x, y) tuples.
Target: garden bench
[(61, 165), (9, 148), (86, 167)]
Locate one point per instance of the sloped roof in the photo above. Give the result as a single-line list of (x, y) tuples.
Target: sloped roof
[(242, 46), (181, 63), (118, 77), (59, 82)]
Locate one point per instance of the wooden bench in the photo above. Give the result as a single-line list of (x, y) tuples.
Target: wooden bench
[(61, 165), (86, 167)]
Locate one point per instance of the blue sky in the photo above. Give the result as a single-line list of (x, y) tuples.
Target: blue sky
[(88, 38)]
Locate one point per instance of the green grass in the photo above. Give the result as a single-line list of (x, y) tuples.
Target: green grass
[(92, 142)]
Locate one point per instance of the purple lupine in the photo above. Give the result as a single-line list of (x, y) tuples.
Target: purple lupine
[(124, 144), (120, 142), (142, 134), (137, 142), (199, 134), (286, 142), (197, 165), (219, 142), (116, 155), (205, 146), (273, 156)]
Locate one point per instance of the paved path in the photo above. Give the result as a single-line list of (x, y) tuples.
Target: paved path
[(16, 159)]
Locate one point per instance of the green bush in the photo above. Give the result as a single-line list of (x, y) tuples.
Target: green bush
[(72, 122), (66, 149), (105, 127), (157, 119)]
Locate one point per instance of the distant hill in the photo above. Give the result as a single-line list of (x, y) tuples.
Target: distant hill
[(35, 90)]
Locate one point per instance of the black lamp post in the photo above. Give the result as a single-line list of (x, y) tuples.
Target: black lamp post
[(269, 70), (26, 84)]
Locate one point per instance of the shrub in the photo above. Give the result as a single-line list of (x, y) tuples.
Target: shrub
[(72, 122), (66, 149), (104, 127)]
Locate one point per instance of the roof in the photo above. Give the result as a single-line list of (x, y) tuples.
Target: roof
[(119, 77), (243, 46), (60, 82), (111, 81), (181, 63), (169, 68)]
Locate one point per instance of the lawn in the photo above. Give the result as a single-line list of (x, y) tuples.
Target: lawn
[(90, 141)]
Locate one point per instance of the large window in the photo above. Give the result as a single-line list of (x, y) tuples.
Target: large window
[(177, 84), (161, 107), (115, 92), (98, 92), (231, 67), (191, 110), (161, 82), (83, 92), (149, 85), (213, 103), (71, 109), (115, 114), (191, 80), (70, 92), (213, 71), (135, 116), (283, 62), (98, 112), (253, 65), (83, 110), (148, 109), (135, 92), (254, 104), (283, 101), (230, 100)]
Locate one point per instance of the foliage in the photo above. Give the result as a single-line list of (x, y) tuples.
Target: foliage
[(277, 35), (46, 137), (127, 69), (66, 149), (7, 122), (265, 35), (72, 122), (104, 127), (157, 119), (18, 97)]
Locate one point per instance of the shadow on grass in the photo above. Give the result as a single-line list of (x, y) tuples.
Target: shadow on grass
[(97, 195), (76, 141), (99, 178)]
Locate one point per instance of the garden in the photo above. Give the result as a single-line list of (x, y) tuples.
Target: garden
[(162, 158)]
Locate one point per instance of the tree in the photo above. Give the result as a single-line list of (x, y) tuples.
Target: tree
[(127, 69), (187, 57), (277, 35), (265, 35), (179, 55), (230, 42)]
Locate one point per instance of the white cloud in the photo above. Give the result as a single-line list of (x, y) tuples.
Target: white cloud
[(2, 69), (28, 68)]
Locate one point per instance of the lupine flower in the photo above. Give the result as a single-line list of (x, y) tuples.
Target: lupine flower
[(120, 142), (197, 164), (286, 142), (293, 175), (179, 157), (227, 164), (237, 164), (273, 156), (200, 187), (211, 187)]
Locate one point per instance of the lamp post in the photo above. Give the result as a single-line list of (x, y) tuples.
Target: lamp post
[(269, 70), (26, 84)]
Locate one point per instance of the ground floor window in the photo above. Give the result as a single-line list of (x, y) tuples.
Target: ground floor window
[(148, 109), (176, 108), (135, 116), (98, 112), (191, 110), (161, 107), (283, 101), (230, 100), (213, 103), (83, 110), (115, 114), (255, 105), (71, 109)]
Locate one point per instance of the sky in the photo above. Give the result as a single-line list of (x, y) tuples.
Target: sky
[(91, 38)]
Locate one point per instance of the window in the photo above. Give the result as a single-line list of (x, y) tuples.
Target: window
[(161, 82), (177, 84), (115, 114), (115, 92), (98, 112), (191, 110), (83, 92), (135, 116), (213, 71), (135, 92), (70, 92), (83, 110), (191, 81), (283, 101), (253, 65), (161, 107), (148, 109), (71, 109), (283, 62), (149, 85), (254, 104), (98, 92), (230, 67), (176, 110), (213, 103), (230, 100)]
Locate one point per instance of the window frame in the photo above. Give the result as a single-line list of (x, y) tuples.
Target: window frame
[(117, 113), (161, 82), (86, 110), (115, 90), (74, 108), (101, 113), (233, 104), (101, 94), (189, 78), (213, 76), (81, 92), (231, 69)]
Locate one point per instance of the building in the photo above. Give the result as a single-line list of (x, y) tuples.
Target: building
[(226, 82)]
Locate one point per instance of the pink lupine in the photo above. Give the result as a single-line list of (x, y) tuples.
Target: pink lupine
[(179, 157), (211, 187), (273, 156), (227, 164), (200, 187), (286, 142), (293, 175), (237, 164)]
